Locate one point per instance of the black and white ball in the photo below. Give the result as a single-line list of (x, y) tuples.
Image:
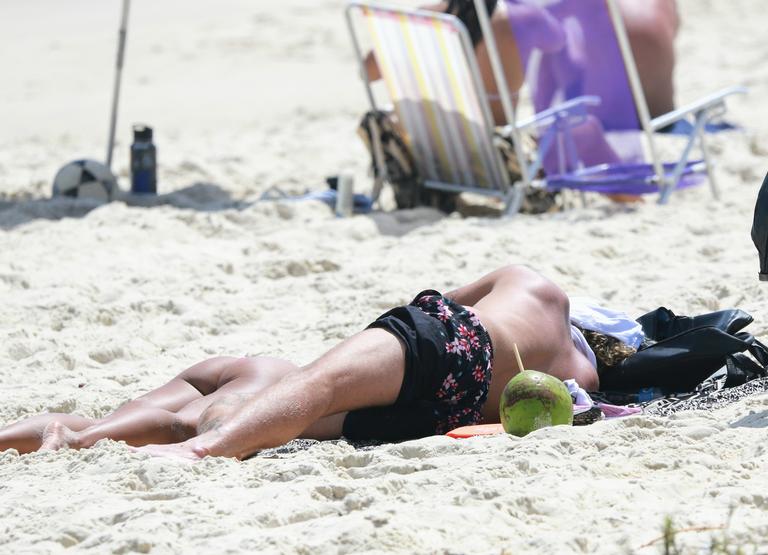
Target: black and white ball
[(85, 179)]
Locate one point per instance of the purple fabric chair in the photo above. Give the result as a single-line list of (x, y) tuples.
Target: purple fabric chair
[(601, 149), (572, 137), (591, 63)]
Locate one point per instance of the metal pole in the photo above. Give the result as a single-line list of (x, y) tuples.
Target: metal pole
[(679, 168), (634, 84), (501, 85), (708, 164), (493, 54), (359, 52), (376, 147), (118, 73)]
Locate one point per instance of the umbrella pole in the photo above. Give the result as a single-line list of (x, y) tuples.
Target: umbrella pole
[(118, 73)]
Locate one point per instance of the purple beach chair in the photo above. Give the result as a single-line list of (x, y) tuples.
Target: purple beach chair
[(592, 119)]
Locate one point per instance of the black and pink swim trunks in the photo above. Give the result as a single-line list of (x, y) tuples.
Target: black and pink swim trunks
[(448, 365)]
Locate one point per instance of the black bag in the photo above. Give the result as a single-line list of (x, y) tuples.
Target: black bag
[(680, 352), (379, 128), (760, 229)]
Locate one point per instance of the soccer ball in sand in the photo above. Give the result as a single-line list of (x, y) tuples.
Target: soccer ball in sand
[(533, 400), (85, 179)]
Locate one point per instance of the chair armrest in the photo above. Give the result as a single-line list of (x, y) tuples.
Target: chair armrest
[(574, 106), (702, 104)]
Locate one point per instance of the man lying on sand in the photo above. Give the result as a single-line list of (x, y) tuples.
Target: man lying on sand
[(438, 363)]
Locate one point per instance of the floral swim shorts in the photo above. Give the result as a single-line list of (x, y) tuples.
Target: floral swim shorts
[(448, 366)]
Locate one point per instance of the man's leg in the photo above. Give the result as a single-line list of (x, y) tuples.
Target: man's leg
[(26, 435), (328, 427), (652, 26), (171, 413), (365, 370)]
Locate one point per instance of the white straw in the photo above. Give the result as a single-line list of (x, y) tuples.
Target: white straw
[(517, 356)]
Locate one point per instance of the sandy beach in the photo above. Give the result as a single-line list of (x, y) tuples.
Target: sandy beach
[(104, 302)]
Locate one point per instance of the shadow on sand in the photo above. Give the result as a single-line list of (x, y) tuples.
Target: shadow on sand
[(401, 222), (204, 197), (753, 420)]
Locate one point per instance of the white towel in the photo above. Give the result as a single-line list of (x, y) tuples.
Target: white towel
[(589, 315)]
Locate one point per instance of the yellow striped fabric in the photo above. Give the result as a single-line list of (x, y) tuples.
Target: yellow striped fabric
[(430, 82)]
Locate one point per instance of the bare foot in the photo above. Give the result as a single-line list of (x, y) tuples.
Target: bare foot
[(174, 450), (625, 198), (57, 436)]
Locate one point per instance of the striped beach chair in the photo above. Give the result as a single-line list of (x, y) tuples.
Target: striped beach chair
[(432, 79)]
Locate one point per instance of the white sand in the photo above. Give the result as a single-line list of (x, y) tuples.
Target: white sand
[(99, 306)]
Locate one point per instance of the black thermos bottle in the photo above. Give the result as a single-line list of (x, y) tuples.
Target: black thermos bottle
[(143, 161)]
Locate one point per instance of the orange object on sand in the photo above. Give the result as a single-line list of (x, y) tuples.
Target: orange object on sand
[(478, 430)]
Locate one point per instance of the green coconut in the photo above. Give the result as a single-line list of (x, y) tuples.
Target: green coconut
[(533, 400)]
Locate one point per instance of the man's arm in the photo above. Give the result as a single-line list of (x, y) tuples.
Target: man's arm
[(586, 375)]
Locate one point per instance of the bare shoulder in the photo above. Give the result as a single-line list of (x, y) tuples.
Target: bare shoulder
[(519, 272), (527, 310), (512, 274), (524, 304), (519, 279), (509, 287)]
